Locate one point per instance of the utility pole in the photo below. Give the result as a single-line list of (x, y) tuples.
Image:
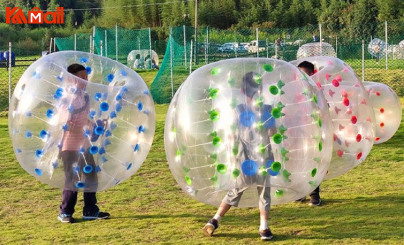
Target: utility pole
[(196, 32)]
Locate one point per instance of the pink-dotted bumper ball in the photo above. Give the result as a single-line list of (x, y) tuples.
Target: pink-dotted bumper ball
[(76, 134), (350, 109), (387, 108), (248, 123)]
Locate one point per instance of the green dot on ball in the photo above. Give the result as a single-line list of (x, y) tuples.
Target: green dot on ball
[(215, 71), (231, 82), (257, 79), (276, 112), (276, 166), (315, 99), (221, 168), (313, 172), (214, 115), (216, 141), (214, 179), (188, 180), (268, 67), (320, 146), (277, 138), (279, 193), (236, 173), (263, 171), (273, 89)]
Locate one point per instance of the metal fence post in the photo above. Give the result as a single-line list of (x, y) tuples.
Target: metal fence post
[(116, 42), (190, 59), (185, 46), (171, 62), (387, 46), (9, 73), (106, 43), (207, 46), (91, 44), (93, 41), (150, 48), (258, 45), (321, 39), (363, 60), (101, 46), (50, 46), (75, 41)]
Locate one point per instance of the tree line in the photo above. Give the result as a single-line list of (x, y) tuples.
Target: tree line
[(346, 18)]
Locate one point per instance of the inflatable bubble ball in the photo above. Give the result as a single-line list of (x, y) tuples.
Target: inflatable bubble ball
[(350, 109), (387, 108), (83, 132), (146, 58), (248, 123), (377, 48), (316, 49)]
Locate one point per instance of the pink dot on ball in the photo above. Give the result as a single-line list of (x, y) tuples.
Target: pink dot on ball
[(335, 83), (354, 119), (358, 138), (346, 102), (377, 93), (340, 153), (359, 156), (381, 110), (338, 78)]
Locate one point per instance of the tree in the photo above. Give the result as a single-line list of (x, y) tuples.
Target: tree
[(364, 22)]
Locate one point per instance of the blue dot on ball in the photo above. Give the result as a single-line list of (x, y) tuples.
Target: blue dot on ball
[(83, 60), (249, 167), (269, 163), (43, 134), (39, 153), (112, 114), (60, 78), (92, 113), (267, 118), (105, 96), (124, 73), (107, 142), (38, 171), (104, 106), (113, 125), (65, 127), (49, 113), (247, 118), (58, 93), (140, 106), (82, 150), (129, 166), (28, 114), (76, 169), (86, 132), (110, 77), (28, 134), (141, 129), (124, 89), (136, 148), (89, 70), (97, 96), (93, 149), (97, 169), (118, 107), (272, 173), (146, 92), (101, 150), (108, 133), (18, 150), (80, 185), (55, 164), (71, 108), (118, 97), (87, 169), (99, 130), (104, 159)]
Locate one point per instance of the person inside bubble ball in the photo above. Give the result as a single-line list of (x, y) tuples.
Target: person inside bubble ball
[(315, 200), (74, 152), (248, 139)]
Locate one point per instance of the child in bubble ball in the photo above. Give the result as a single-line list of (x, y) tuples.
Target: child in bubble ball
[(315, 200), (75, 155), (249, 138)]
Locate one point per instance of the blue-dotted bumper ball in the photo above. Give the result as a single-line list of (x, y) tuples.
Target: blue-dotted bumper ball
[(76, 134), (248, 123)]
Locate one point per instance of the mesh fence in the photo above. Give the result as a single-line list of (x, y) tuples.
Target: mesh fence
[(79, 42), (281, 43)]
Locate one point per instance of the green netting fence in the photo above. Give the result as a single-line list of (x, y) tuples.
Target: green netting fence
[(183, 55), (78, 42)]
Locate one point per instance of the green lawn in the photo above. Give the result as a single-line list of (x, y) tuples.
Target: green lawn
[(364, 206)]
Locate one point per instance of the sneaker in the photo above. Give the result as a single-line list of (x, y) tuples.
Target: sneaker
[(315, 200), (65, 218), (98, 215), (266, 235), (210, 227)]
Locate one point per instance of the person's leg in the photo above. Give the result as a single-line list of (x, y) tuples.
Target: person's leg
[(232, 198), (69, 197), (315, 197), (264, 207), (90, 199)]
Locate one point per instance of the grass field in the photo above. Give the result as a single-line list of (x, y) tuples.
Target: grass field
[(364, 206)]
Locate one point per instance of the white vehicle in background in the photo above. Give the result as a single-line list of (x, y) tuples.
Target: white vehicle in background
[(257, 45)]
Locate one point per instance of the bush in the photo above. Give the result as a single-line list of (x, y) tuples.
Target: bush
[(393, 78)]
